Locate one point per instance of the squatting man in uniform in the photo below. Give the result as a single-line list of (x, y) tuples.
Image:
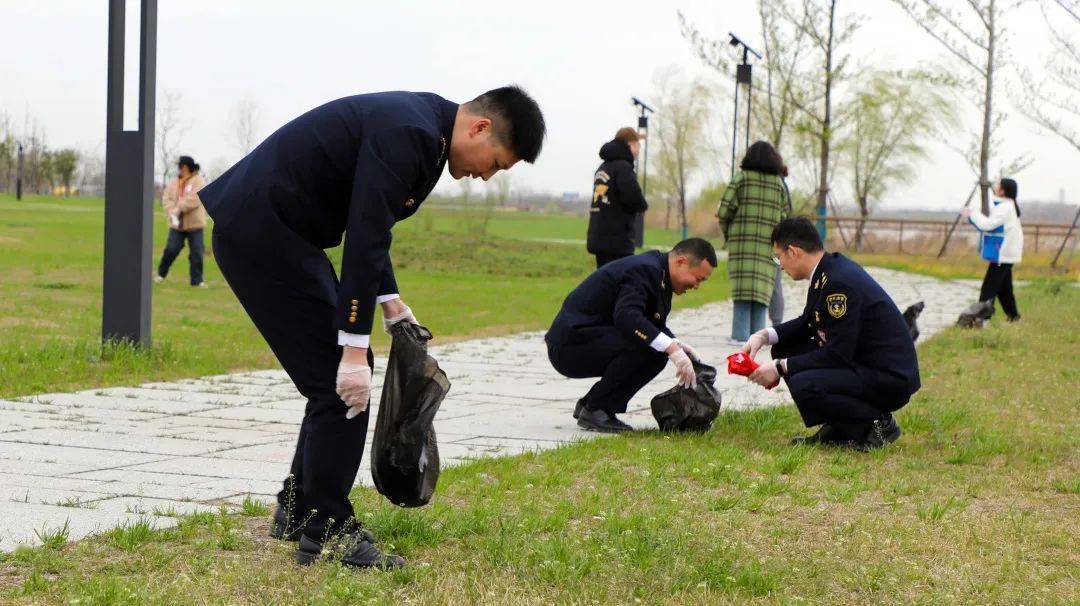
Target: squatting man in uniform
[(848, 360), (352, 167), (614, 326)]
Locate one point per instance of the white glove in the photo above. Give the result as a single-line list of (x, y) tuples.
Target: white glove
[(174, 220), (406, 315), (354, 387), (684, 368), (690, 351), (756, 341)]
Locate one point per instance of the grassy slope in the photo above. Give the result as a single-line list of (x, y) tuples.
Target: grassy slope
[(460, 286), (975, 504)]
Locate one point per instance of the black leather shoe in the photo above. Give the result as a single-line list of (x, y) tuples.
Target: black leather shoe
[(823, 435), (579, 407), (601, 421), (285, 527), (881, 432), (353, 550)]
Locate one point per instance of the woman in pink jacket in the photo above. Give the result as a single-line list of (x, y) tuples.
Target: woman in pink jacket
[(187, 219)]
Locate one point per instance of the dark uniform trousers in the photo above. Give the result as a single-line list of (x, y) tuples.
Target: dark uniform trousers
[(840, 397), (293, 306), (624, 367)]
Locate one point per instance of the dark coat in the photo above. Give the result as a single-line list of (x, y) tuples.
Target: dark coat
[(352, 167), (616, 200), (632, 294), (854, 324)]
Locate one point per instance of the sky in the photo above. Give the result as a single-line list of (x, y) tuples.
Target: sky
[(582, 61)]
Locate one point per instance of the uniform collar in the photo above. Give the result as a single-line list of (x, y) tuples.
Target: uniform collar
[(820, 269), (447, 114)]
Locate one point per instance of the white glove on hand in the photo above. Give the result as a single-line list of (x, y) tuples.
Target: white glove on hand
[(754, 344), (684, 368), (406, 315), (690, 351), (354, 387)]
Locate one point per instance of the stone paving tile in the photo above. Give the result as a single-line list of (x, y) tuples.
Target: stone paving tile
[(199, 442)]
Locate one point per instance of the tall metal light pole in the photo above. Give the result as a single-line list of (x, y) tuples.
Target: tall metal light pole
[(18, 173), (129, 183), (743, 75), (643, 128)]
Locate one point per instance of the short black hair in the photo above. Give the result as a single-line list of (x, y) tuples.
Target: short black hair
[(189, 162), (797, 231), (763, 158), (697, 249), (517, 121)]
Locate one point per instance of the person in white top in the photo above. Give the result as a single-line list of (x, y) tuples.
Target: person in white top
[(1001, 244)]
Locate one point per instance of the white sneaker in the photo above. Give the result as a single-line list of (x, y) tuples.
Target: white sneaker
[(735, 342), (158, 279), (199, 285)]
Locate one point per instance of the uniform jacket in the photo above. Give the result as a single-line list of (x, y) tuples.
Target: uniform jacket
[(352, 167), (183, 198), (632, 294), (616, 200), (752, 205), (1002, 238), (854, 324)]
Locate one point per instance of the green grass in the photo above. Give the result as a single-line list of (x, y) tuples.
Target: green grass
[(960, 264), (459, 284), (975, 504)]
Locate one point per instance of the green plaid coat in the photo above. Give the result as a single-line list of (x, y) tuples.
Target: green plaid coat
[(752, 205)]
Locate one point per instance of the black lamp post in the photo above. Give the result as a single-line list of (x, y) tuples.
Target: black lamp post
[(743, 75), (18, 173), (643, 128), (129, 183)]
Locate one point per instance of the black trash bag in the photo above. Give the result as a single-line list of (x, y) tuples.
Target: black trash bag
[(684, 409), (976, 315), (404, 452), (910, 315)]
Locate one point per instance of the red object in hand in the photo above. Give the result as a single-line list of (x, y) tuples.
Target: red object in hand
[(742, 364)]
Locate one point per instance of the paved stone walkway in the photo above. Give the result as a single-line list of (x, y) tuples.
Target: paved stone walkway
[(99, 458)]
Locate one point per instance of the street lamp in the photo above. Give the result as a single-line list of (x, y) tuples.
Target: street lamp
[(743, 75), (643, 129)]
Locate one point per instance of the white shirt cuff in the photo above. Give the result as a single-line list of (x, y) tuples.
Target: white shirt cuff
[(385, 298), (348, 339), (773, 337), (661, 342)]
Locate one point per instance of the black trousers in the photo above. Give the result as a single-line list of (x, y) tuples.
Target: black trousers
[(603, 259), (175, 244), (624, 367), (292, 302), (998, 283), (841, 397)]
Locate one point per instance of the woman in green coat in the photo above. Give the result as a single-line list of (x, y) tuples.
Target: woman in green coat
[(753, 203)]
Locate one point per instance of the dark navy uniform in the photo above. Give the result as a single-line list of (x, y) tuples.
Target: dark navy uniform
[(352, 167), (607, 326), (850, 357), (616, 202)]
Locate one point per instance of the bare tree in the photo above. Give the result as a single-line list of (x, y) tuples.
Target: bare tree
[(681, 119), (894, 114), (1053, 100), (775, 91), (245, 125), (974, 34), (502, 185), (828, 35), (170, 129)]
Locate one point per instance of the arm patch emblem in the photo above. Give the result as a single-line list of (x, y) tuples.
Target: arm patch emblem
[(837, 305)]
